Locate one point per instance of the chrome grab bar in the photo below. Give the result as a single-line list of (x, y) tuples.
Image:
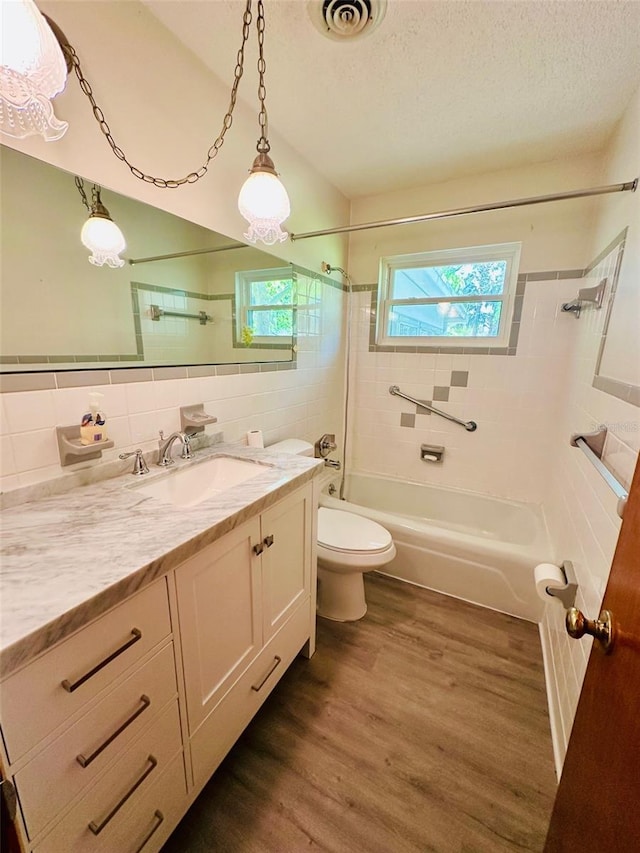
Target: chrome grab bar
[(156, 312), (592, 445), (471, 426)]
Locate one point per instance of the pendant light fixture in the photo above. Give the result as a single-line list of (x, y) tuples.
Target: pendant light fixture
[(33, 71), (100, 233), (28, 82), (263, 200)]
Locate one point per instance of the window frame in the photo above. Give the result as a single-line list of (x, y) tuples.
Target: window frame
[(508, 252), (244, 280)]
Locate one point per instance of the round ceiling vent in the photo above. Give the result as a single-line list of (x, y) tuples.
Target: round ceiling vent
[(343, 20)]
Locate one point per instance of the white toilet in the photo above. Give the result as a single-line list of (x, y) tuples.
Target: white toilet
[(348, 546)]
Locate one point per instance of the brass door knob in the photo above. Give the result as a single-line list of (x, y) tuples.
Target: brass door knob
[(601, 629)]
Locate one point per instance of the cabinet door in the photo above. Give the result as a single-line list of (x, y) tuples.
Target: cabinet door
[(219, 609), (286, 559)]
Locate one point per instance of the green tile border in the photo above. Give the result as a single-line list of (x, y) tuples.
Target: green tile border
[(514, 333), (129, 360), (619, 238), (85, 377), (616, 388)]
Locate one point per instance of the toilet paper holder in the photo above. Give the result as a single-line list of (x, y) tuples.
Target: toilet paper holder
[(566, 594)]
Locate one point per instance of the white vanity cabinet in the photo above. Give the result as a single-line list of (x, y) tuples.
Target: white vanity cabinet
[(92, 727), (110, 734), (245, 610)]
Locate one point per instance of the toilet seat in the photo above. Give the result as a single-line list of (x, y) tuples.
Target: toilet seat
[(346, 532)]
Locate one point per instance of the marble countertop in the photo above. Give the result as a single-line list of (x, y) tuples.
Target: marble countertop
[(67, 558)]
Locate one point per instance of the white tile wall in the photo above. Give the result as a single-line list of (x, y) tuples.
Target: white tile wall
[(581, 511), (301, 403), (513, 399), (526, 406)]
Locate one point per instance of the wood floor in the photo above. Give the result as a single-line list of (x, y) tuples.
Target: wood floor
[(422, 727)]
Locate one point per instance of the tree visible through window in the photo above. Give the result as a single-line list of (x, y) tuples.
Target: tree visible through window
[(463, 293), (265, 301), (270, 309)]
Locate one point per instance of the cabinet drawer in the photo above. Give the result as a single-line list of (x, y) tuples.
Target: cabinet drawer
[(223, 726), (142, 826), (56, 775), (34, 701)]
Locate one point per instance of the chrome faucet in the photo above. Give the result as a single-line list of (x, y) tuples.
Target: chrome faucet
[(139, 465), (165, 445)]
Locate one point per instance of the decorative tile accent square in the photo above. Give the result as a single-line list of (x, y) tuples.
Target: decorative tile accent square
[(459, 378), (441, 393), (421, 411), (407, 420)]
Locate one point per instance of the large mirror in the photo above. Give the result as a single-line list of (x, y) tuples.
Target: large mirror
[(185, 295)]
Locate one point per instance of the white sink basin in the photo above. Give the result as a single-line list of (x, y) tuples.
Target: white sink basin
[(189, 486)]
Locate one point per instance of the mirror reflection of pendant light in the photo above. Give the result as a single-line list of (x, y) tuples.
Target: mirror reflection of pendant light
[(33, 71), (100, 233), (25, 108), (263, 200)]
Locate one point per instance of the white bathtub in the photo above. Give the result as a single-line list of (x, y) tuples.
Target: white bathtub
[(468, 545)]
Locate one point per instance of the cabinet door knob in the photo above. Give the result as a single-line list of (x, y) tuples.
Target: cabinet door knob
[(268, 541), (258, 549)]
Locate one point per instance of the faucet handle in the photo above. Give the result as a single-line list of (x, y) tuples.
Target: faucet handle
[(186, 446), (326, 444), (139, 466)]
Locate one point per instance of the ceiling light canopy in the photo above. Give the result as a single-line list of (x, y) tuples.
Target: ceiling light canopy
[(32, 72), (35, 58)]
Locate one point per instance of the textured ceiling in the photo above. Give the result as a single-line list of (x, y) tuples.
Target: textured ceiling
[(439, 90)]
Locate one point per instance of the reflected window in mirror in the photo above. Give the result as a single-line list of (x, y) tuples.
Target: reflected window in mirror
[(265, 302), (60, 313)]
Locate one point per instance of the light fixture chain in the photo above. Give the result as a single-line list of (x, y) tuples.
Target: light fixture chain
[(192, 177), (83, 195), (263, 121)]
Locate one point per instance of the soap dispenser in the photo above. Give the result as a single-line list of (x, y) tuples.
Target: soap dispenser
[(93, 425)]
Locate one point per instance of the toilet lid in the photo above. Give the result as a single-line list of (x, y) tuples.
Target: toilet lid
[(345, 531)]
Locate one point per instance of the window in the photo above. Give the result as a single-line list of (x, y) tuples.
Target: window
[(265, 302), (444, 298)]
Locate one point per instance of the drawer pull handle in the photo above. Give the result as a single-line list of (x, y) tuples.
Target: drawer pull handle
[(258, 549), (136, 634), (97, 828), (268, 541), (159, 819), (277, 660), (85, 762)]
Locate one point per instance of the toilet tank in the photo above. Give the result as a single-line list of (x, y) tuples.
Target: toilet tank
[(295, 446)]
